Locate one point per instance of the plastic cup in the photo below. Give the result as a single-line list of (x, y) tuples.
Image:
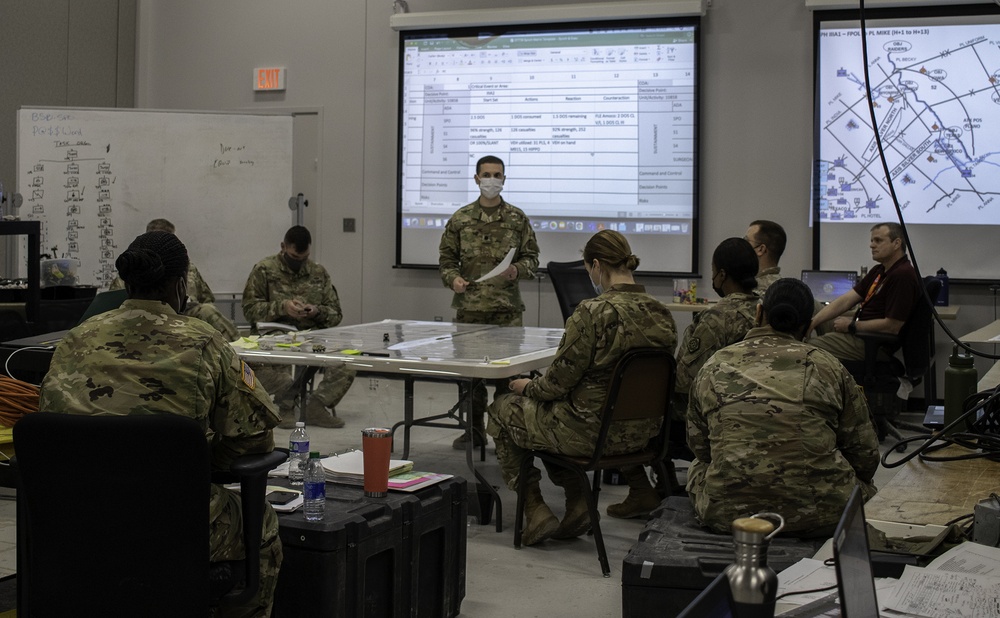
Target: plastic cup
[(376, 445)]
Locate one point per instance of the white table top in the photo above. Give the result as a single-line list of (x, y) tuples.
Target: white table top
[(430, 349)]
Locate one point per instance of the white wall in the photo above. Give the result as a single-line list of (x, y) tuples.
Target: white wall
[(756, 119)]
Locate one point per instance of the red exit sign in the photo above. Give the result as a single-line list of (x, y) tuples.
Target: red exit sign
[(269, 78)]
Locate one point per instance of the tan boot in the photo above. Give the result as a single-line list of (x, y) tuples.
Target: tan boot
[(641, 499), (478, 434), (317, 415), (539, 521), (576, 521)]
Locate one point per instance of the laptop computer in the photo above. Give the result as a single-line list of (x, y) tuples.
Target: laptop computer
[(828, 285), (855, 582)]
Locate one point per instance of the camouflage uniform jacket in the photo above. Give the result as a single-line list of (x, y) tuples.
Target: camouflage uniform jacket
[(198, 290), (766, 277), (143, 358), (777, 425), (571, 393), (713, 329), (474, 243), (271, 283)]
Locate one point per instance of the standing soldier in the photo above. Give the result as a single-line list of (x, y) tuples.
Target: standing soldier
[(476, 239)]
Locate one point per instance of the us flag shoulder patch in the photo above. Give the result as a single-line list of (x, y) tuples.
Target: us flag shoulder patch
[(248, 377)]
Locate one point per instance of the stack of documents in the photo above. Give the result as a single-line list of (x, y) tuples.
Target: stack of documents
[(349, 467)]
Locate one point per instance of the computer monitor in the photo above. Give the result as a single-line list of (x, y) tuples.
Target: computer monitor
[(828, 285)]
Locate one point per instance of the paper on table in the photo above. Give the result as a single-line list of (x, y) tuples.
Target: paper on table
[(969, 558), (502, 266), (941, 594)]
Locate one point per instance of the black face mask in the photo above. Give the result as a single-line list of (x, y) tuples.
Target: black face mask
[(293, 265)]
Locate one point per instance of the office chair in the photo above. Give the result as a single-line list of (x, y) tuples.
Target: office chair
[(572, 284), (880, 379), (104, 301), (640, 388), (113, 517)]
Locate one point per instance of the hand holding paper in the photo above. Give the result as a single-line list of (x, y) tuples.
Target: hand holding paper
[(501, 267)]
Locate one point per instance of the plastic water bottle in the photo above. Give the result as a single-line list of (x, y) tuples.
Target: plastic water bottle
[(314, 489), (298, 453)]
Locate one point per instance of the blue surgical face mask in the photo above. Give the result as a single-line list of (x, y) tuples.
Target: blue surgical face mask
[(598, 288)]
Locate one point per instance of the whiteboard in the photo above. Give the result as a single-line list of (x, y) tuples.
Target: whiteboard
[(96, 177)]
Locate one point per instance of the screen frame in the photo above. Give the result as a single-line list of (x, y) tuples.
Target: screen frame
[(874, 14), (693, 21)]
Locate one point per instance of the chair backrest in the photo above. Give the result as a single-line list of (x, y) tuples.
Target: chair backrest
[(641, 387), (572, 284), (113, 515), (917, 335), (104, 301)]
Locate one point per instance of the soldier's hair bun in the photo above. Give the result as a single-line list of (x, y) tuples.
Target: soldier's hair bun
[(140, 265), (788, 305), (611, 248), (151, 260)]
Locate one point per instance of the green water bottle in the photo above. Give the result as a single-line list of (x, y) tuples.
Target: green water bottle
[(960, 380)]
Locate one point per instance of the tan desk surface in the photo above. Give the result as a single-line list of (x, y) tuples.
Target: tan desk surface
[(990, 379), (935, 492), (987, 334), (690, 308), (948, 313)]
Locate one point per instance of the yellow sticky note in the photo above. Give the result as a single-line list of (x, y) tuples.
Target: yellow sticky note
[(500, 362)]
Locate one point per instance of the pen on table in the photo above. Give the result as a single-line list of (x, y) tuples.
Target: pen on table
[(385, 354)]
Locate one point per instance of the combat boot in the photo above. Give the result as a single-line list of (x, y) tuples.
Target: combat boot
[(642, 497), (317, 415), (539, 521), (576, 520), (478, 434)]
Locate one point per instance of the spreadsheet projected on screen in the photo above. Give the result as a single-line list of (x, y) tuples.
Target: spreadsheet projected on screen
[(596, 123)]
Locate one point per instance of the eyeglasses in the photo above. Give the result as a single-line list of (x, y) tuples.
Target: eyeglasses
[(753, 244)]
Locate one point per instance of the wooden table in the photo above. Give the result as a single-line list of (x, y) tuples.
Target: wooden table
[(935, 492)]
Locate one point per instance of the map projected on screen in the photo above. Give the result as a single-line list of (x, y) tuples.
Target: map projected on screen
[(597, 125), (936, 88)]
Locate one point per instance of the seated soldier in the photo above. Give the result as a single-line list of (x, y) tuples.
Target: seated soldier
[(778, 425)]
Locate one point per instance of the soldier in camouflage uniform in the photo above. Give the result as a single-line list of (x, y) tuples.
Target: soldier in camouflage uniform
[(475, 240), (200, 303), (560, 411), (778, 425), (768, 240), (145, 358), (733, 267), (291, 289)]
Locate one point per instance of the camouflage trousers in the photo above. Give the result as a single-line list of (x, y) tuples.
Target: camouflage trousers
[(517, 427), (226, 543), (207, 312), (278, 381), (480, 398)]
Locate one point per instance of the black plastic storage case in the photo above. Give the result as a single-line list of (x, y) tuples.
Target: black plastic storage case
[(676, 558), (398, 556)]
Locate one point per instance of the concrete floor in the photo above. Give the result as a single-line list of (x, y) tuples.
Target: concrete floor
[(554, 579)]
